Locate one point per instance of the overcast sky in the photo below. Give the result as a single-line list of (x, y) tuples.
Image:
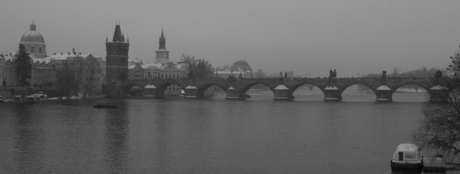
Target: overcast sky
[(304, 36)]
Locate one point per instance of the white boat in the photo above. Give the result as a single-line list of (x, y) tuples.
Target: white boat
[(40, 96), (407, 156)]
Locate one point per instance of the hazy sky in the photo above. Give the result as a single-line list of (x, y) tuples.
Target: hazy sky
[(305, 36)]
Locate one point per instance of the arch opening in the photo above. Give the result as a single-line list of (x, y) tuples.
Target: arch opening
[(410, 93), (134, 90), (358, 93), (171, 90), (213, 92), (308, 92), (258, 91)]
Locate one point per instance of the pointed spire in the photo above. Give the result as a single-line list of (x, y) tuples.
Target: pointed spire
[(123, 37), (162, 41), (117, 34)]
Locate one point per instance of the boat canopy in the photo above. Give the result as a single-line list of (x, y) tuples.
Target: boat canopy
[(407, 148)]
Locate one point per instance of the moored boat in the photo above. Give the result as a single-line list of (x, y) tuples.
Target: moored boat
[(23, 99), (105, 105), (40, 96), (407, 156)]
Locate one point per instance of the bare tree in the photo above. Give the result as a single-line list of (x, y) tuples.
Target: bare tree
[(439, 130), (197, 68), (90, 76), (65, 80)]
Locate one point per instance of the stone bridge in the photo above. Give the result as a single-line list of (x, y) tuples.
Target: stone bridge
[(282, 88)]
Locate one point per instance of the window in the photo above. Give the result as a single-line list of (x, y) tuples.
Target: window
[(32, 49), (409, 155), (39, 50)]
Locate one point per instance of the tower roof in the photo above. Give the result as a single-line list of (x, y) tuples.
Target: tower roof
[(117, 37)]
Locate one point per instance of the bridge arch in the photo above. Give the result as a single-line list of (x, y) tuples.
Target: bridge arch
[(127, 89), (358, 95), (294, 88), (358, 83), (161, 88), (201, 89), (426, 88), (245, 88)]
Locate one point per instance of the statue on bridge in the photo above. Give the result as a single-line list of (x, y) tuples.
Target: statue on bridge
[(437, 77), (383, 81), (332, 74)]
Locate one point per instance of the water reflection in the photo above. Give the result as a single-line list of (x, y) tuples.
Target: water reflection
[(204, 136), (116, 140), (28, 148), (162, 125), (407, 171)]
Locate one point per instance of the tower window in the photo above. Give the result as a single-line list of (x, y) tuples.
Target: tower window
[(39, 50), (32, 49)]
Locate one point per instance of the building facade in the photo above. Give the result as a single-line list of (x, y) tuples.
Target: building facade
[(88, 70), (117, 57), (43, 73), (152, 71), (7, 74), (135, 72)]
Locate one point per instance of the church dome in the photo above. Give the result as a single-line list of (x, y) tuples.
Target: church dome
[(32, 35), (241, 65)]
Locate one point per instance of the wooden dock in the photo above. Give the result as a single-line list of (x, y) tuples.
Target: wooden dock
[(436, 165)]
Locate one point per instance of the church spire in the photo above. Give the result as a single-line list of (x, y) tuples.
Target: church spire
[(162, 41)]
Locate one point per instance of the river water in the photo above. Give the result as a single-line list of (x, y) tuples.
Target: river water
[(176, 135)]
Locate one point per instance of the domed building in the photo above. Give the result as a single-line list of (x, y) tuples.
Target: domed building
[(241, 65), (34, 42)]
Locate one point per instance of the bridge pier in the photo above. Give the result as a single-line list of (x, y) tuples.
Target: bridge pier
[(113, 89), (438, 94), (149, 91), (190, 91), (383, 94), (332, 94), (281, 93), (232, 94)]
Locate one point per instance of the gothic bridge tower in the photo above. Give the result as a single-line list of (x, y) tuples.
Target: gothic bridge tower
[(117, 57)]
